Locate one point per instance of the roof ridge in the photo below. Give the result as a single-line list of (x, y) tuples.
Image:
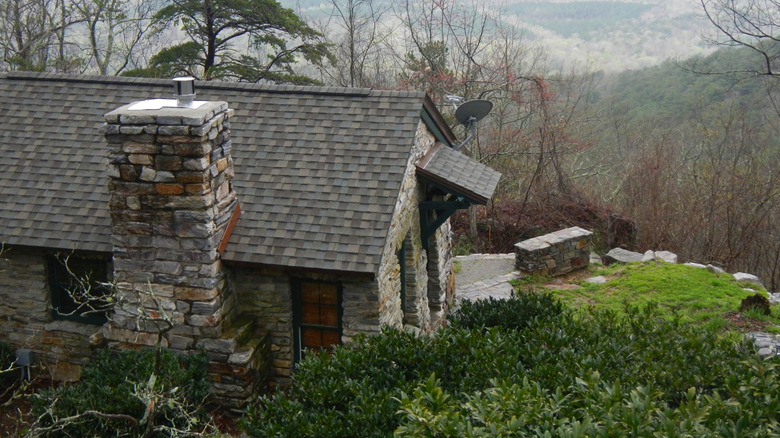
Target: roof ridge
[(214, 85), (285, 89), (67, 77)]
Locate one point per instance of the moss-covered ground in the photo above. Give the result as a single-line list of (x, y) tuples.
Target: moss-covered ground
[(681, 292)]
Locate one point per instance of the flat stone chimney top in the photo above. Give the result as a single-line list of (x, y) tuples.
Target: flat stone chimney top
[(156, 104), (183, 93), (155, 111)]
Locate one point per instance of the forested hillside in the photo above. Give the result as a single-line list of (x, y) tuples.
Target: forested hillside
[(603, 34), (681, 87), (685, 150), (694, 158)]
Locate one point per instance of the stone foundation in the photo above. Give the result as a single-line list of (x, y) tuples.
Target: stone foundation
[(555, 253), (27, 321)]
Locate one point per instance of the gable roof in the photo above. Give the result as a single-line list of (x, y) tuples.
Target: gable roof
[(318, 169), (458, 174)]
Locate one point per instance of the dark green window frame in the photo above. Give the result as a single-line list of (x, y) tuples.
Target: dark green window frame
[(62, 286)]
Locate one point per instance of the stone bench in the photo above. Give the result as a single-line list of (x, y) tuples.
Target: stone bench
[(555, 253)]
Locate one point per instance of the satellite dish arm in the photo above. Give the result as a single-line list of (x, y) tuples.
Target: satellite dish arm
[(472, 123)]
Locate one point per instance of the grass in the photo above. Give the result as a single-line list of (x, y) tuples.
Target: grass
[(681, 292)]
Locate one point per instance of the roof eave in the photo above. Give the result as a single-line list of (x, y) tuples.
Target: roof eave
[(435, 122), (292, 270)]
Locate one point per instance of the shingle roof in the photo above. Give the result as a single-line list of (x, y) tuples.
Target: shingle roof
[(458, 174), (318, 169)]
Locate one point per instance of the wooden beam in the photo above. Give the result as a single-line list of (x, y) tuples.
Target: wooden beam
[(229, 229)]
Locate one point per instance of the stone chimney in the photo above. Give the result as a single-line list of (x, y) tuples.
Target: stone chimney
[(171, 204)]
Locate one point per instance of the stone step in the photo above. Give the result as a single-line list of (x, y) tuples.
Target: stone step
[(243, 375), (244, 354), (240, 330)]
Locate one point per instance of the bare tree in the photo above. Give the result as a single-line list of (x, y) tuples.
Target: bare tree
[(537, 124), (754, 24), (358, 43), (33, 34), (117, 32)]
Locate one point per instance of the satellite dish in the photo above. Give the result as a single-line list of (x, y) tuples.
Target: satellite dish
[(469, 114), (473, 111)]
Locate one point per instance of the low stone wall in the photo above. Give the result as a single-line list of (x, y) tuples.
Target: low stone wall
[(555, 253)]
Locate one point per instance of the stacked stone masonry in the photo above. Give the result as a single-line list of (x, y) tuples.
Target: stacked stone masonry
[(429, 277), (171, 198), (555, 253)]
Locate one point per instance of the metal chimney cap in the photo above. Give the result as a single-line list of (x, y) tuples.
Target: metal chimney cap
[(184, 91)]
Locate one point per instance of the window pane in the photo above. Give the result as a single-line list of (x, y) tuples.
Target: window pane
[(77, 292), (329, 316), (330, 337), (329, 294), (311, 338), (310, 313), (317, 316), (310, 293)]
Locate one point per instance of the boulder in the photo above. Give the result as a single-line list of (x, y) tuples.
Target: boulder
[(694, 265), (595, 259), (648, 256), (715, 269), (765, 343), (620, 255), (750, 278), (596, 280), (668, 257)]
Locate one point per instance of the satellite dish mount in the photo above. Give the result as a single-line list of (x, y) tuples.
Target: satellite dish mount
[(469, 114)]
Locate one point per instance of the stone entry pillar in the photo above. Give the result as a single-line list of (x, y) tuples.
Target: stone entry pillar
[(171, 199)]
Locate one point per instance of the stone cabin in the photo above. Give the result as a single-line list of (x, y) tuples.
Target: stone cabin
[(262, 221)]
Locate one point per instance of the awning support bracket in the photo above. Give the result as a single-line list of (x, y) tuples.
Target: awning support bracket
[(434, 213)]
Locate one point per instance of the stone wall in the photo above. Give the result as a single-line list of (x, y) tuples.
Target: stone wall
[(441, 275), (26, 319), (266, 293), (422, 274), (555, 253), (360, 304)]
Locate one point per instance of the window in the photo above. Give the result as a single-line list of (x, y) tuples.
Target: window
[(78, 289), (317, 316)]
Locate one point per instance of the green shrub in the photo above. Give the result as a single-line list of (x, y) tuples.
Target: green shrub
[(121, 395), (527, 367), (515, 314), (346, 394)]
